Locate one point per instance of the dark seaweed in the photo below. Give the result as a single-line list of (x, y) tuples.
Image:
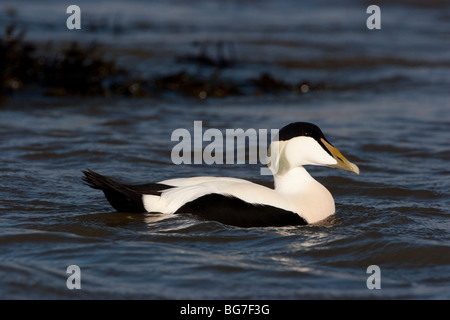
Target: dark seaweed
[(84, 70)]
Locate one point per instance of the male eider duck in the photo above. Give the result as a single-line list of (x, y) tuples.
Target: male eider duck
[(297, 198)]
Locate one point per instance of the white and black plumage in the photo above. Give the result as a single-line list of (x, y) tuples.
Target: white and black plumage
[(297, 198)]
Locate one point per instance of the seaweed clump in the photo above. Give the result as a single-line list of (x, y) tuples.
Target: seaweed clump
[(17, 63), (73, 70), (78, 70)]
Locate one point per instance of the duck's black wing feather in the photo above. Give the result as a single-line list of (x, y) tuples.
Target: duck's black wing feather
[(123, 197), (234, 211)]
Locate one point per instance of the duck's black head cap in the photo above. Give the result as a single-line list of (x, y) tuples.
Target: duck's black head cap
[(298, 129), (305, 129)]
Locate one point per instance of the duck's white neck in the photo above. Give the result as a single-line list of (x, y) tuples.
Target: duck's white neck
[(294, 180), (311, 199)]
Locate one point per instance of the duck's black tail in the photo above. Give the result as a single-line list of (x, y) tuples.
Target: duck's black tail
[(124, 198)]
